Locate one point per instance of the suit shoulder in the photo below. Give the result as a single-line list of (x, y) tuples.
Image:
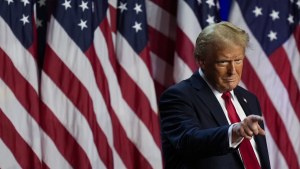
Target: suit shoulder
[(181, 88)]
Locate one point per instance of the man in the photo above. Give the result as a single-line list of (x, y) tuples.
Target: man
[(208, 121)]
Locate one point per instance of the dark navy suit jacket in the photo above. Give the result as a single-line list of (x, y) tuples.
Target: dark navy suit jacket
[(195, 129)]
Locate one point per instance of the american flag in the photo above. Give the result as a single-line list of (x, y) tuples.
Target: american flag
[(20, 134), (97, 89), (94, 102), (272, 72)]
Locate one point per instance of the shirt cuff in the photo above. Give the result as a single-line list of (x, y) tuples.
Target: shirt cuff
[(238, 142)]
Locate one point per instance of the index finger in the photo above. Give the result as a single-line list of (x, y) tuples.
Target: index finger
[(256, 118)]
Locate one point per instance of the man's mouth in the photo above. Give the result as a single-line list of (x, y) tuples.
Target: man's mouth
[(230, 79)]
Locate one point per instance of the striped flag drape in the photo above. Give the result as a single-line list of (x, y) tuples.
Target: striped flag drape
[(91, 80), (20, 134), (80, 79), (272, 72)]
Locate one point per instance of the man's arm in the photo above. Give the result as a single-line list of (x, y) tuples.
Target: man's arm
[(181, 127)]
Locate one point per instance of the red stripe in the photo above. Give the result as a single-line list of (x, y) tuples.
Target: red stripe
[(33, 50), (78, 95), (272, 118), (159, 88), (29, 99), (131, 93), (63, 140), (145, 56), (282, 65), (185, 49), (168, 80), (129, 153), (161, 45), (23, 90), (113, 18), (127, 150), (22, 152), (168, 5)]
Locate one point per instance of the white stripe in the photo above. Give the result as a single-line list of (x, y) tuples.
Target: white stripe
[(71, 118), (187, 21), (77, 62), (294, 58), (7, 159), (160, 20), (181, 70), (136, 131), (271, 82), (21, 58), (113, 3), (277, 160), (51, 156), (242, 84), (22, 121), (161, 70), (136, 69), (30, 130), (108, 17), (19, 117)]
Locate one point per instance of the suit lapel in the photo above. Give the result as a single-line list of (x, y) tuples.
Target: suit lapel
[(206, 95), (243, 102)]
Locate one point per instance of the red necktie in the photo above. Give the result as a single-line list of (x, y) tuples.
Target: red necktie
[(246, 150)]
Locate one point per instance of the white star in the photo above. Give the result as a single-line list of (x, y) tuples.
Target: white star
[(210, 3), (272, 35), (122, 7), (199, 2), (137, 26), (292, 1), (24, 19), (84, 5), (291, 19), (25, 2), (257, 11), (82, 24), (210, 19), (298, 3), (42, 3), (274, 15), (9, 1), (38, 23), (137, 8), (67, 4)]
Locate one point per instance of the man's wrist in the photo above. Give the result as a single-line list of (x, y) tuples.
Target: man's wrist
[(234, 137)]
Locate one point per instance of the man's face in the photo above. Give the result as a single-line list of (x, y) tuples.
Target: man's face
[(223, 68)]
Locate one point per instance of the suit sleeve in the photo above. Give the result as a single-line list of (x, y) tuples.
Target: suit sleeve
[(182, 131)]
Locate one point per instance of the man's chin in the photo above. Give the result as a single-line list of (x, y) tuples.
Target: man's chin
[(228, 88)]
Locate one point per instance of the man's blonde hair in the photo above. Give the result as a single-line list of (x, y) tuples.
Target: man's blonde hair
[(216, 36)]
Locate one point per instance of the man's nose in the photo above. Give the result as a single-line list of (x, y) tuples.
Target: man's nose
[(231, 67)]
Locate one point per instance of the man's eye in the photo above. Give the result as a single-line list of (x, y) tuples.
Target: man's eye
[(222, 63), (238, 61)]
